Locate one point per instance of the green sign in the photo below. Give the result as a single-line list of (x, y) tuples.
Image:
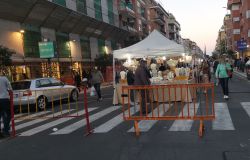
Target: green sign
[(46, 49)]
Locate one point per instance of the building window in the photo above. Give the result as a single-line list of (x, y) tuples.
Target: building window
[(236, 19), (60, 2), (98, 9), (248, 14), (110, 12), (31, 37), (63, 45), (101, 46), (235, 7), (236, 31), (248, 33), (85, 47), (81, 6)]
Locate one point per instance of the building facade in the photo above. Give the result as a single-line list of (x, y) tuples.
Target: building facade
[(158, 19), (240, 28), (80, 30), (174, 29)]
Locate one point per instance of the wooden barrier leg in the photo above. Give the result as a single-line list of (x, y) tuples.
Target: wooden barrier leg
[(137, 130), (201, 128)]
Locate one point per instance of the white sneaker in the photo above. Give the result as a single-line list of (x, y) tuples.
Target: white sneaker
[(225, 97)]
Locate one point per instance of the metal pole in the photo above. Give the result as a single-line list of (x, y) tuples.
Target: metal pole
[(89, 130), (12, 115)]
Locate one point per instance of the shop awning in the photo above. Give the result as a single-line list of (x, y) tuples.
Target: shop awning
[(43, 13)]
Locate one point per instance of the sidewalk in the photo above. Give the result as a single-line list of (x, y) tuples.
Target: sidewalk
[(239, 73)]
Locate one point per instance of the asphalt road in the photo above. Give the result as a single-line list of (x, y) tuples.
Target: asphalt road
[(229, 142)]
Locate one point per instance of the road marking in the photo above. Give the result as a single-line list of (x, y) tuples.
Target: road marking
[(27, 117), (223, 119), (32, 115), (112, 123), (51, 124), (73, 127), (185, 125), (23, 125), (19, 115), (246, 106), (145, 125)]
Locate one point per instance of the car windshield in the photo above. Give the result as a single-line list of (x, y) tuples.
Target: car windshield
[(21, 85)]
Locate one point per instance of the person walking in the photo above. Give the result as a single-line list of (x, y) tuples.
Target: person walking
[(206, 72), (77, 79), (5, 89), (222, 73), (142, 77), (96, 80), (130, 81)]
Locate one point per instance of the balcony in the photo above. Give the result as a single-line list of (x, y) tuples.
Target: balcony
[(129, 28), (144, 20), (127, 10), (163, 31), (142, 2), (159, 20), (230, 2)]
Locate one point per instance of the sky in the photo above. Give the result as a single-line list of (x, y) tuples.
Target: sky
[(200, 20)]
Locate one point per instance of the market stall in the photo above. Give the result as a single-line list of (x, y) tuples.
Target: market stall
[(159, 52)]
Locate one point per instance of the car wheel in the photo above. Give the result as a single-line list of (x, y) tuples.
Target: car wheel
[(74, 95), (41, 102)]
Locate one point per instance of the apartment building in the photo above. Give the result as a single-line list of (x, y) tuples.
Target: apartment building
[(133, 17), (79, 29), (158, 18), (174, 29), (240, 18)]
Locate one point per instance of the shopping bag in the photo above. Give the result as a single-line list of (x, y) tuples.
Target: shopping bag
[(229, 73), (92, 91)]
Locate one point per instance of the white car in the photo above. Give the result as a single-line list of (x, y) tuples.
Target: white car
[(41, 91)]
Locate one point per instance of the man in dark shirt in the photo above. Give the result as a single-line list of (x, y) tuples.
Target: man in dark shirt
[(162, 68), (142, 78), (130, 81)]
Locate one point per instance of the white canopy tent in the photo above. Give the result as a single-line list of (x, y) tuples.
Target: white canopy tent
[(155, 44)]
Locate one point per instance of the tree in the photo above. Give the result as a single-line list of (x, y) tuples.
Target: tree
[(5, 58), (104, 60)]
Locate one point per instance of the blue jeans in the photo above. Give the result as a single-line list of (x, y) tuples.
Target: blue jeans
[(5, 114)]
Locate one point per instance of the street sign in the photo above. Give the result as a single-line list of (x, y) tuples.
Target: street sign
[(46, 49), (242, 44)]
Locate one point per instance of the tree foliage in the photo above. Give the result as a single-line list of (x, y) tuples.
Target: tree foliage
[(221, 49), (104, 60), (5, 57)]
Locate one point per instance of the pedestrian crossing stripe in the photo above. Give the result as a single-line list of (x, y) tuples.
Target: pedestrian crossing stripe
[(24, 117), (53, 123), (33, 122), (112, 123), (246, 106), (145, 125), (185, 125), (223, 119), (222, 122), (82, 123)]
